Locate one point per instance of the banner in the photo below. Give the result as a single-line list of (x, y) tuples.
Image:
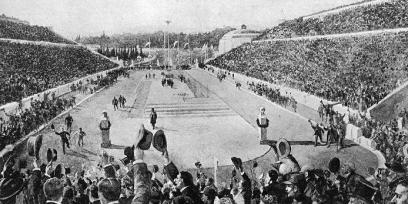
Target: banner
[(147, 44), (175, 43)]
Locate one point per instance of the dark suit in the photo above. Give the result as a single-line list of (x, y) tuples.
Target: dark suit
[(193, 193), (246, 188)]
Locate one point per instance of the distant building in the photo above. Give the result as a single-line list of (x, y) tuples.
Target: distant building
[(236, 38)]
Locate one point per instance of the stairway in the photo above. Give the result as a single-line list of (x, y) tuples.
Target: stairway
[(191, 107)]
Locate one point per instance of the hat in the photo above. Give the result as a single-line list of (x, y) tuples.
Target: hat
[(57, 171), (237, 162), (171, 171), (110, 171), (283, 147), (334, 165), (129, 152), (10, 187), (395, 167), (54, 152), (67, 170), (34, 145), (159, 141), (145, 138), (197, 164), (155, 168), (49, 155)]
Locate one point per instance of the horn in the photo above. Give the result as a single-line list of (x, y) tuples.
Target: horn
[(283, 147)]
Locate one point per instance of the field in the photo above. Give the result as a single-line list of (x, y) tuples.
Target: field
[(219, 126)]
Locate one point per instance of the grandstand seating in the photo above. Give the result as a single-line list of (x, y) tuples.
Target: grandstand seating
[(14, 30), (337, 69), (392, 14), (27, 69)]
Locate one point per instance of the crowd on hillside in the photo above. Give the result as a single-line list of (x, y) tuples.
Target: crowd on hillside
[(22, 31), (115, 181), (15, 126), (358, 71), (386, 15), (28, 69)]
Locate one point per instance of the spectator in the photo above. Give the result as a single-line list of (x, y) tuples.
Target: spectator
[(53, 190)]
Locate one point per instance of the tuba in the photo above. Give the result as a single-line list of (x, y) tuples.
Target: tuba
[(34, 145)]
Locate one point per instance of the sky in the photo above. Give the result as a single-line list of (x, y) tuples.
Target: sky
[(92, 17)]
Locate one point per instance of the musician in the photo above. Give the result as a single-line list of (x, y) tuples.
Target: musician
[(263, 122), (318, 131), (105, 126)]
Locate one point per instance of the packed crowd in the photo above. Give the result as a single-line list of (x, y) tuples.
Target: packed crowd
[(358, 71), (28, 69), (22, 31), (386, 15), (15, 126), (131, 180), (273, 94)]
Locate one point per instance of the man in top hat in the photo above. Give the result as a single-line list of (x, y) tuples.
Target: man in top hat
[(294, 189), (105, 126), (53, 190)]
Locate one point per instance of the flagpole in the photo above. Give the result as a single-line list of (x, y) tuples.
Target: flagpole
[(168, 42)]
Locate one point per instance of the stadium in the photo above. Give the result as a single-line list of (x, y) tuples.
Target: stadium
[(310, 110)]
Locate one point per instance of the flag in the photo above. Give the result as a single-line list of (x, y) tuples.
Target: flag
[(175, 43), (147, 44), (185, 44)]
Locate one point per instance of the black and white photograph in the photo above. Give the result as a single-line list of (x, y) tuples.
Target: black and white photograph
[(203, 101)]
